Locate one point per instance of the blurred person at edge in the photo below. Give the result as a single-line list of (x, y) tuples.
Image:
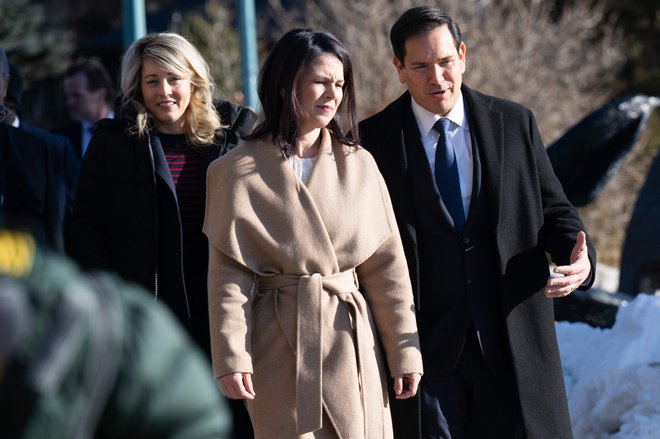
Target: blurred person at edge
[(306, 224), (37, 168), (19, 204), (91, 356), (50, 161), (89, 93), (482, 283), (139, 204)]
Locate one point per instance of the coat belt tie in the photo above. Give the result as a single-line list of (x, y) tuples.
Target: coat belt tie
[(309, 335)]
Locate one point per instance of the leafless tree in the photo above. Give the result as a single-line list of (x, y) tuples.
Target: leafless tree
[(562, 66), (211, 31)]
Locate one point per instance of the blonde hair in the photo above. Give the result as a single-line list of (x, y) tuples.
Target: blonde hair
[(175, 54)]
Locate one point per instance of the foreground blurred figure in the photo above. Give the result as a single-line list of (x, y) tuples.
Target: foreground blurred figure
[(89, 356)]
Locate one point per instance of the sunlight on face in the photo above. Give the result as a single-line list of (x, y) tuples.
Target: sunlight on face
[(433, 70), (166, 96), (320, 92)]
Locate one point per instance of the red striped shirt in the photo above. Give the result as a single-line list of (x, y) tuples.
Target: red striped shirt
[(185, 165)]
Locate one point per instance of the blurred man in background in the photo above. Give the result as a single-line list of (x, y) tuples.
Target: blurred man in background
[(89, 93)]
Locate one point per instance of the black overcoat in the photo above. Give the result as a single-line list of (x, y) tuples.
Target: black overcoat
[(53, 164), (530, 215), (116, 215)]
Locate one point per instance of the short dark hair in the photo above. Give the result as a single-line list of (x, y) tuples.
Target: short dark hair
[(417, 21), (277, 87), (96, 73)]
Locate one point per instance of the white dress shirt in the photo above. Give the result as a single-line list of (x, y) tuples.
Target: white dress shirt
[(458, 135), (302, 167)]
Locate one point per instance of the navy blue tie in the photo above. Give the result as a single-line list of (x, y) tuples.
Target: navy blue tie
[(446, 175)]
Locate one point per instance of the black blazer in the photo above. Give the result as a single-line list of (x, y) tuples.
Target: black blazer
[(530, 216)]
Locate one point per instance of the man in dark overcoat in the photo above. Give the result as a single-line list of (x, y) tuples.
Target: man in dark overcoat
[(478, 264), (48, 158)]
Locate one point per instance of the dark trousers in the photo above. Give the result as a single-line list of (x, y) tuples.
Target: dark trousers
[(471, 402)]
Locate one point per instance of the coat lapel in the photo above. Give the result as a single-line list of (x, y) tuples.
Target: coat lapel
[(352, 200), (476, 198), (160, 164), (273, 215), (309, 230), (317, 196), (487, 126), (423, 182)]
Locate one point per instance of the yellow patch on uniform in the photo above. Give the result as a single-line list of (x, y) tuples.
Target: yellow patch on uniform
[(17, 250)]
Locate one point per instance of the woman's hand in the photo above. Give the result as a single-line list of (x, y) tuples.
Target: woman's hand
[(237, 385), (405, 385)]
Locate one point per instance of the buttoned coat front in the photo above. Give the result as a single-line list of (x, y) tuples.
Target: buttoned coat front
[(285, 264)]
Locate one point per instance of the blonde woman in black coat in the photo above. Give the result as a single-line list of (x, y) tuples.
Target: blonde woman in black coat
[(140, 197)]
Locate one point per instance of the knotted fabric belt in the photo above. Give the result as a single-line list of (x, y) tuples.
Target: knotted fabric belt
[(309, 336)]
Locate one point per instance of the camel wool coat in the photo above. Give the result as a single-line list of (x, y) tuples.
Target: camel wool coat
[(286, 261)]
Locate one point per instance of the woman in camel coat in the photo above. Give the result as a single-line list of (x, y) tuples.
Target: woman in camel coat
[(299, 221)]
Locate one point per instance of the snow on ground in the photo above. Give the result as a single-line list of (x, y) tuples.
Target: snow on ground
[(613, 375)]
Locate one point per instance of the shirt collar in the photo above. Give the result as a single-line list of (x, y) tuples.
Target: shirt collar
[(86, 124), (426, 119)]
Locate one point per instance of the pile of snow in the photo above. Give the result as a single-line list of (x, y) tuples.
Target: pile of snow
[(613, 375), (607, 278)]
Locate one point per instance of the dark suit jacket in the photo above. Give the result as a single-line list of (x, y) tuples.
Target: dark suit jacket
[(530, 215), (64, 166), (72, 131), (20, 207), (52, 169)]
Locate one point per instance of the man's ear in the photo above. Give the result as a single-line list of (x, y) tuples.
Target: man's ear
[(462, 53), (400, 69)]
